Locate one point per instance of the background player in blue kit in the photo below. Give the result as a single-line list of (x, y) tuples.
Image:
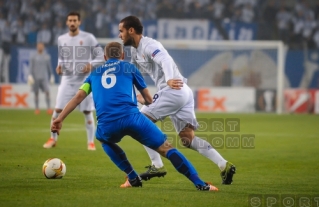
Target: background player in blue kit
[(117, 114)]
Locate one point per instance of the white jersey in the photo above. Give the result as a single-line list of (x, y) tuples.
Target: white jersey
[(150, 56), (74, 53)]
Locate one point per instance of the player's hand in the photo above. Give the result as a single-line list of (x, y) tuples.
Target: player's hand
[(59, 70), (30, 80), (176, 84), (140, 99), (52, 79), (56, 126)]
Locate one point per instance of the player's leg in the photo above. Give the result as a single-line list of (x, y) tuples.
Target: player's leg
[(118, 156), (165, 102), (156, 169), (148, 134), (87, 107), (36, 86), (65, 93), (46, 90), (185, 123), (111, 133)]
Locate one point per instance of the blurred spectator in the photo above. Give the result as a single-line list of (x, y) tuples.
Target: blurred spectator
[(13, 15), (37, 4), (122, 12), (102, 22), (298, 26), (308, 29), (195, 10), (3, 9), (21, 33), (247, 15), (58, 30), (44, 16), (268, 20), (6, 38), (30, 24), (283, 23), (27, 8), (2, 22), (164, 9), (218, 10), (44, 35), (316, 10), (150, 9), (316, 37)]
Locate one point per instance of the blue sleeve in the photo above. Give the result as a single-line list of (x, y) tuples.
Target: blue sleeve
[(86, 86), (138, 79)]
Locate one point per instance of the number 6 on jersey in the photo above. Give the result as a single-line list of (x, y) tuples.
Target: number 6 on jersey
[(108, 84)]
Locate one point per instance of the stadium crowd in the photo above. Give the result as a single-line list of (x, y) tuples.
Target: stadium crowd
[(27, 21)]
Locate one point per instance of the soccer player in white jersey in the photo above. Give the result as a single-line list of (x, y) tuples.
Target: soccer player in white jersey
[(78, 53), (173, 98)]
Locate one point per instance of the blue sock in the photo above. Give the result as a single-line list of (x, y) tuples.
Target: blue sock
[(118, 157), (183, 166)]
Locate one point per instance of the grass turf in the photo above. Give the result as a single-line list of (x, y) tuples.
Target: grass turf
[(283, 161)]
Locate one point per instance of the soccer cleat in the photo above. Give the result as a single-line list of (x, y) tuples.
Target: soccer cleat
[(136, 182), (153, 172), (37, 111), (227, 174), (91, 146), (50, 143), (206, 187)]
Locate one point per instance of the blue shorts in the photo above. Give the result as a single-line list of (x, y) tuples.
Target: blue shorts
[(138, 126)]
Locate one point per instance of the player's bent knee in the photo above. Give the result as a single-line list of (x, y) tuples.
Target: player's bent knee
[(162, 150), (186, 141), (187, 135)]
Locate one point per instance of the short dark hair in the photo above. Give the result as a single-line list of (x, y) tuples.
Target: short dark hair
[(132, 22), (113, 50), (74, 13)]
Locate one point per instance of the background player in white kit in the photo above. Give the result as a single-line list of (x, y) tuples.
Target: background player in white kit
[(173, 98), (79, 52)]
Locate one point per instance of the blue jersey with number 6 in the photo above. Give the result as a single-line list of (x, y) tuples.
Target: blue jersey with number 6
[(112, 88)]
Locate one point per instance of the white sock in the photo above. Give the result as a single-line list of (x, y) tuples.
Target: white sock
[(90, 127), (155, 157), (204, 148), (54, 116)]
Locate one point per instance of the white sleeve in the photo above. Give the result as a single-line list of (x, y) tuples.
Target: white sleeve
[(97, 54), (60, 57), (161, 57)]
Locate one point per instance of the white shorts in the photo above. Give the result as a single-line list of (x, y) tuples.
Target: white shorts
[(177, 104), (66, 93)]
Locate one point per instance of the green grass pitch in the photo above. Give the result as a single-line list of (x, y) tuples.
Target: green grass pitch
[(283, 161)]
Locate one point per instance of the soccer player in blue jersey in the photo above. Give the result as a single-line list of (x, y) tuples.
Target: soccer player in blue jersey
[(112, 86)]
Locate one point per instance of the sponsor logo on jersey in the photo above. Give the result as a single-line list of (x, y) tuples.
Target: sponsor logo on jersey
[(155, 52)]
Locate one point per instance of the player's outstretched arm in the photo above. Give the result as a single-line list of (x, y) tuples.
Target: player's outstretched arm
[(146, 98), (71, 105)]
